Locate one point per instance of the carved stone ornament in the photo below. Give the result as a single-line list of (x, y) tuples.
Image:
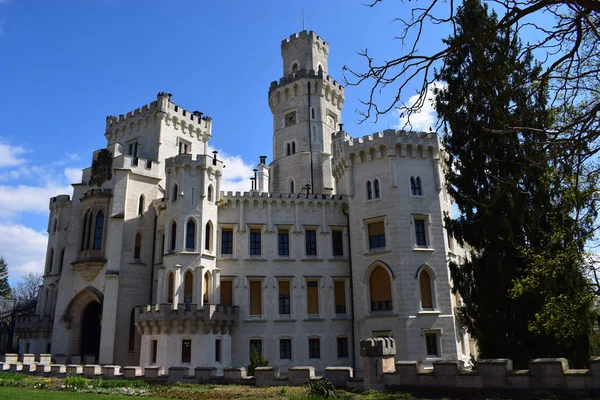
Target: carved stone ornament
[(101, 167)]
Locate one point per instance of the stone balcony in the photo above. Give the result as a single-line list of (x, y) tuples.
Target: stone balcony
[(163, 319), (89, 263)]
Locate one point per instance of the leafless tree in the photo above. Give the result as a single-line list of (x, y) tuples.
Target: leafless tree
[(27, 287)]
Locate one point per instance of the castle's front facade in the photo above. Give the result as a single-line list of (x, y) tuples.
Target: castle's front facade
[(151, 263)]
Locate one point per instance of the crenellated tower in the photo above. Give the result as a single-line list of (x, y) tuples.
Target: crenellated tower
[(306, 105)]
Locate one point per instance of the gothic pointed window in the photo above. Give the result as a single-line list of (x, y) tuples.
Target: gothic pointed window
[(369, 190), (207, 236), (190, 236), (141, 205), (210, 193), (425, 289), (293, 147), (206, 285), (61, 260), (415, 186), (173, 242), (295, 69), (170, 287), (292, 186), (175, 192), (99, 230), (376, 185), (188, 288), (288, 149), (380, 288), (49, 262)]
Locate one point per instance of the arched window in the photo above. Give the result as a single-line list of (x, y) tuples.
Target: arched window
[(288, 149), (293, 147), (312, 113), (320, 68), (188, 288), (291, 186), (415, 186), (369, 190), (141, 205), (54, 223), (295, 69), (207, 236), (61, 260), (49, 261), (426, 292), (85, 233), (206, 286), (376, 184), (210, 193), (173, 243), (99, 230), (190, 235), (175, 192), (132, 331), (380, 288), (170, 287), (137, 249)]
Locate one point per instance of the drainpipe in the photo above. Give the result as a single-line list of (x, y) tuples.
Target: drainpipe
[(312, 186), (345, 211)]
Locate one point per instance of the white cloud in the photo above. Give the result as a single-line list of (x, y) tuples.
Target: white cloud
[(10, 155), (237, 173), (23, 249), (18, 199), (73, 175), (426, 117)]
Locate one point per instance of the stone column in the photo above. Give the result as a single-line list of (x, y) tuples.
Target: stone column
[(178, 287), (160, 286), (216, 286), (109, 318), (199, 286), (392, 161), (217, 186)]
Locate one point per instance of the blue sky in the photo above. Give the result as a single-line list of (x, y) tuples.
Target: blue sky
[(66, 65)]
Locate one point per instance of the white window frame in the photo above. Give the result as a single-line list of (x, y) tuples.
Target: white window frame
[(426, 224), (233, 228), (262, 297), (438, 335), (366, 222), (319, 305)]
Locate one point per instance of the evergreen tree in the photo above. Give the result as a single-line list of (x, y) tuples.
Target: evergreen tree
[(4, 286), (511, 198)]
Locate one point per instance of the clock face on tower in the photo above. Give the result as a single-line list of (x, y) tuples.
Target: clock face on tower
[(290, 118)]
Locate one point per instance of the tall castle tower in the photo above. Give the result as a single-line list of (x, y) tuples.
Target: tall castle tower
[(306, 105)]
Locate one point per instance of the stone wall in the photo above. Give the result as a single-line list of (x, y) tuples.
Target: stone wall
[(548, 376)]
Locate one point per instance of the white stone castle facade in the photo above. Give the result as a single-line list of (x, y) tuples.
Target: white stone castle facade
[(150, 263)]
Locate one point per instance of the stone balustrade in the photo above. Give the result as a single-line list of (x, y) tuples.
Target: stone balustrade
[(547, 376), (163, 319)]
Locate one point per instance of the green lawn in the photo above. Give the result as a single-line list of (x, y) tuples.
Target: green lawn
[(10, 393)]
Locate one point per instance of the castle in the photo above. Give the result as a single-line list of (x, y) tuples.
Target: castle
[(339, 239)]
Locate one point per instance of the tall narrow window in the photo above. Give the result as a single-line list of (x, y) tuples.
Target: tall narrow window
[(188, 289), (288, 149), (99, 229), (255, 298), (284, 297), (285, 349), (54, 223), (312, 294), (227, 241), (175, 192), (49, 262), (137, 249), (337, 243), (294, 147), (314, 348), (342, 347), (376, 185), (84, 231), (426, 294), (420, 235), (311, 242), (170, 287), (173, 243), (380, 288), (431, 343), (218, 350), (292, 186), (206, 284), (255, 242), (186, 351), (339, 288), (415, 186), (61, 260), (208, 236), (283, 242), (132, 331), (295, 69), (227, 293), (88, 234), (141, 205), (369, 190), (210, 193), (154, 351), (190, 235), (376, 235)]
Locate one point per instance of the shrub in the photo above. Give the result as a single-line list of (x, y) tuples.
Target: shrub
[(322, 388), (256, 360), (75, 383), (11, 375)]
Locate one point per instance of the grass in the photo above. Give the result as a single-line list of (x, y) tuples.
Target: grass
[(12, 393)]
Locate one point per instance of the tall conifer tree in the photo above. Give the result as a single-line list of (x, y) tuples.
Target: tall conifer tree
[(504, 185), (4, 286)]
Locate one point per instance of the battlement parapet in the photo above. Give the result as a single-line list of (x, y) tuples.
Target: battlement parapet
[(191, 120), (59, 201), (204, 161), (163, 318), (307, 74), (305, 35), (137, 165), (96, 193), (297, 197)]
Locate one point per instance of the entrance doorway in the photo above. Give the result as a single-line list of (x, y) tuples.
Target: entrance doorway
[(90, 329)]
